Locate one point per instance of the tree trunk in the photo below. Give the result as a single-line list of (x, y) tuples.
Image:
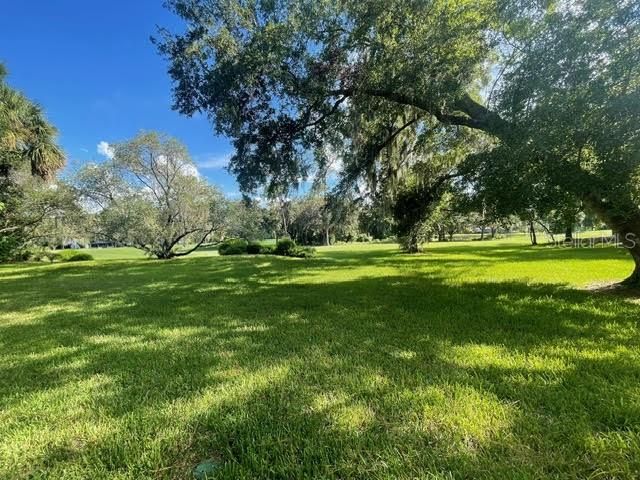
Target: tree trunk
[(568, 234), (493, 232), (532, 233), (634, 279), (411, 243), (482, 233), (627, 228)]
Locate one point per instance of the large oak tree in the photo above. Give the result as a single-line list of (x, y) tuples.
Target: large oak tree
[(285, 79)]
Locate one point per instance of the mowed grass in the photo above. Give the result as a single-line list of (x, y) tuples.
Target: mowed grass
[(473, 360)]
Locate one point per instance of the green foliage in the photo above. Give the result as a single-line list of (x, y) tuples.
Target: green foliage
[(150, 196), (51, 255), (71, 255), (27, 139), (246, 219), (254, 248), (8, 247), (267, 249), (363, 237), (286, 84), (78, 257), (302, 252), (285, 247), (233, 246)]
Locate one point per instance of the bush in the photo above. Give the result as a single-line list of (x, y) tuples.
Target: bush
[(79, 257), (233, 246), (37, 255), (72, 256), (267, 249), (285, 247), (254, 248), (51, 255), (303, 252), (23, 256)]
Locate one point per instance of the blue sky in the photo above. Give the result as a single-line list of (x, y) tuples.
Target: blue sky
[(93, 68)]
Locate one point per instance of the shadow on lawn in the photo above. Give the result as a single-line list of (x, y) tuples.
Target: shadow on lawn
[(367, 377)]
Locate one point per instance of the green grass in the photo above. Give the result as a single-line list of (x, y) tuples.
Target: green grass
[(473, 360)]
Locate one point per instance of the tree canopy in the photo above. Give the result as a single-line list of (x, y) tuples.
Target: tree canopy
[(150, 196), (553, 86)]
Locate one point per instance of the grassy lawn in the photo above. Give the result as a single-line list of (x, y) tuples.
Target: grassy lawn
[(473, 360)]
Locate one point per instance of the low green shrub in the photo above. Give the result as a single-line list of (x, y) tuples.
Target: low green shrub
[(285, 247), (24, 255), (303, 252), (254, 248), (72, 256), (51, 255), (37, 255), (233, 246), (79, 257), (267, 249), (363, 237)]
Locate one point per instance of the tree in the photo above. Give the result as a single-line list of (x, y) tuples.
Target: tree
[(29, 159), (151, 197), (376, 220), (245, 219), (27, 139), (281, 78)]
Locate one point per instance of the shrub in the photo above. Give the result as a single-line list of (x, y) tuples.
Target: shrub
[(72, 256), (23, 256), (254, 248), (285, 247), (267, 249), (79, 257), (303, 252), (363, 237), (51, 255), (233, 246)]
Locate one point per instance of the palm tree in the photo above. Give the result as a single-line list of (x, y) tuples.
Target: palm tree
[(26, 137)]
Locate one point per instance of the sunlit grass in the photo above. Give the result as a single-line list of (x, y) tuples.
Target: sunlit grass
[(472, 360)]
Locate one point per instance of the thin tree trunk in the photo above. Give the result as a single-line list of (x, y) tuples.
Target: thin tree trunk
[(532, 233)]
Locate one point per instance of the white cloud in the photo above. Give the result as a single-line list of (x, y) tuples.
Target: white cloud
[(105, 149), (215, 161)]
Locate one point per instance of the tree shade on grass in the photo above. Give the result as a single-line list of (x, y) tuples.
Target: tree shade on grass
[(470, 361)]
